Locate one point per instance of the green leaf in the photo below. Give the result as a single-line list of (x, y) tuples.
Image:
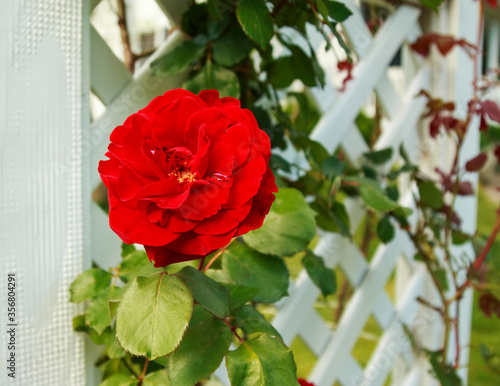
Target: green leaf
[(432, 4), (341, 218), (250, 268), (98, 314), (392, 192), (442, 278), (262, 360), (240, 295), (430, 194), (127, 249), (252, 321), (213, 76), (88, 284), (113, 349), (385, 230), (333, 167), (153, 315), (209, 294), (280, 72), (288, 228), (179, 58), (324, 277), (322, 9), (459, 237), (303, 66), (119, 380), (136, 264), (337, 11), (446, 375), (200, 352), (376, 200), (232, 47), (156, 378), (379, 157), (256, 21)]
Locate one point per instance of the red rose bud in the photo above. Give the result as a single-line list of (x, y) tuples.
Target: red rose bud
[(186, 174), (303, 382)]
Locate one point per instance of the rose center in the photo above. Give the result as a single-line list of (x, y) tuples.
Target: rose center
[(180, 164)]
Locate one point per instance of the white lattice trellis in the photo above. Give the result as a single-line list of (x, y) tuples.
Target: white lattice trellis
[(124, 94)]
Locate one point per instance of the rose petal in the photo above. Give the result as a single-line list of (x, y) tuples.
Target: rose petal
[(170, 96), (169, 123), (133, 226), (194, 244), (260, 206), (224, 220), (247, 179), (163, 257)]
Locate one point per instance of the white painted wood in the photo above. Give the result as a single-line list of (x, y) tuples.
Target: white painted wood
[(42, 96), (108, 74), (333, 125), (492, 52)]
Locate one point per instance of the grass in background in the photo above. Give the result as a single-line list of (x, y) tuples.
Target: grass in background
[(484, 330)]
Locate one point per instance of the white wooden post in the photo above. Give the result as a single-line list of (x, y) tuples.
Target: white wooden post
[(43, 111)]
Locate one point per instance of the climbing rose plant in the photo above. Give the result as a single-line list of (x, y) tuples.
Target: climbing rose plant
[(191, 178)]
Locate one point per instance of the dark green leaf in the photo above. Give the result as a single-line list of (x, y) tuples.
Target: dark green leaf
[(278, 162), (240, 295), (256, 21), (88, 284), (200, 352), (432, 4), (250, 268), (213, 76), (232, 47), (303, 66), (385, 230), (148, 306), (288, 228), (392, 192), (446, 375), (262, 360), (280, 73), (337, 10), (179, 58), (379, 157), (209, 294), (333, 167), (322, 276), (430, 194), (341, 218), (307, 115), (376, 200), (458, 237), (251, 321)]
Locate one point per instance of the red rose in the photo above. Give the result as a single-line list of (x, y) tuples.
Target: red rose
[(186, 174), (303, 382)]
